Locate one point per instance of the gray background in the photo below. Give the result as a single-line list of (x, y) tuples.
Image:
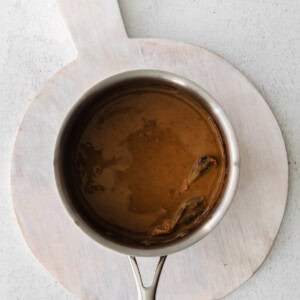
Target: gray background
[(259, 37)]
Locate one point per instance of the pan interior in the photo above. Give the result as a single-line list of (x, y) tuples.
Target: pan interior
[(129, 153)]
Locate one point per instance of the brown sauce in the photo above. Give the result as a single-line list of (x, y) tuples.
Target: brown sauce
[(130, 163)]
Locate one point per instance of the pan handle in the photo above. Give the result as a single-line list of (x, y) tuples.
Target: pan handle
[(146, 293)]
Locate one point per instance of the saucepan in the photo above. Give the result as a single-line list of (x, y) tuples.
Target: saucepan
[(220, 209)]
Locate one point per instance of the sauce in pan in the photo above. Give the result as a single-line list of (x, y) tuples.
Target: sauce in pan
[(147, 165)]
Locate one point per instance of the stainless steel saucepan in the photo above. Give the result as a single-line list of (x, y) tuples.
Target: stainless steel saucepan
[(181, 83)]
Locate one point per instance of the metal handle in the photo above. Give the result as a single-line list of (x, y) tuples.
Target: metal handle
[(146, 293)]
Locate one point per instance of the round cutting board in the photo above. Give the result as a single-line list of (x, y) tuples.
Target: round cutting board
[(216, 265)]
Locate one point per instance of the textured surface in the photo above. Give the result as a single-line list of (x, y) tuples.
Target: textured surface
[(219, 263), (258, 37)]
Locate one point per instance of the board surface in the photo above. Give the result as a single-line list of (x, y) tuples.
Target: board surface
[(216, 265)]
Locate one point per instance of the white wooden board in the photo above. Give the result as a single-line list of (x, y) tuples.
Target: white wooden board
[(215, 266)]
